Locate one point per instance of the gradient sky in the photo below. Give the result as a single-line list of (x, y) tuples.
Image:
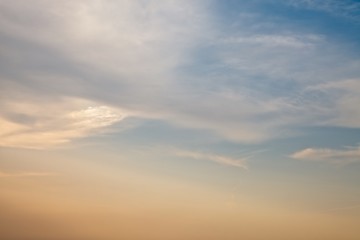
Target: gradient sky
[(179, 119)]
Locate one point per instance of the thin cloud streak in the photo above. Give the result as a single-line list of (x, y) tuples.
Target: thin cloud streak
[(291, 41), (223, 160), (350, 154)]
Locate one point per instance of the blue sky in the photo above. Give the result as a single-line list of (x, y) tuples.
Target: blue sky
[(257, 95)]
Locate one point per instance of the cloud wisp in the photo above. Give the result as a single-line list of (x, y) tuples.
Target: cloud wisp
[(223, 160), (336, 156), (38, 126)]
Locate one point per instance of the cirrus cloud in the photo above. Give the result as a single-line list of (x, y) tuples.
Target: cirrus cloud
[(223, 160), (172, 61), (347, 155)]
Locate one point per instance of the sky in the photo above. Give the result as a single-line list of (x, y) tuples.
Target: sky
[(179, 119)]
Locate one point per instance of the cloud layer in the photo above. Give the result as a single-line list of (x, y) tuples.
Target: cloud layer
[(176, 61)]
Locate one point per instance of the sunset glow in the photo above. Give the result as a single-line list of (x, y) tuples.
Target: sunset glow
[(179, 120)]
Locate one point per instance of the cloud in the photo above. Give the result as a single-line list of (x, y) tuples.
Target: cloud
[(223, 160), (173, 61), (273, 40), (43, 125), (350, 154), (117, 53)]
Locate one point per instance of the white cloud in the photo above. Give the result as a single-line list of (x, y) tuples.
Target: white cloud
[(41, 125), (129, 38), (223, 160), (350, 154)]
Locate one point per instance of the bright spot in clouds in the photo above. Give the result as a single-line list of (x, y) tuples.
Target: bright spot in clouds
[(62, 123)]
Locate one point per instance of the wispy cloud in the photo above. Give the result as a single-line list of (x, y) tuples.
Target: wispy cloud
[(347, 155), (246, 84), (223, 160), (42, 125), (277, 40)]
